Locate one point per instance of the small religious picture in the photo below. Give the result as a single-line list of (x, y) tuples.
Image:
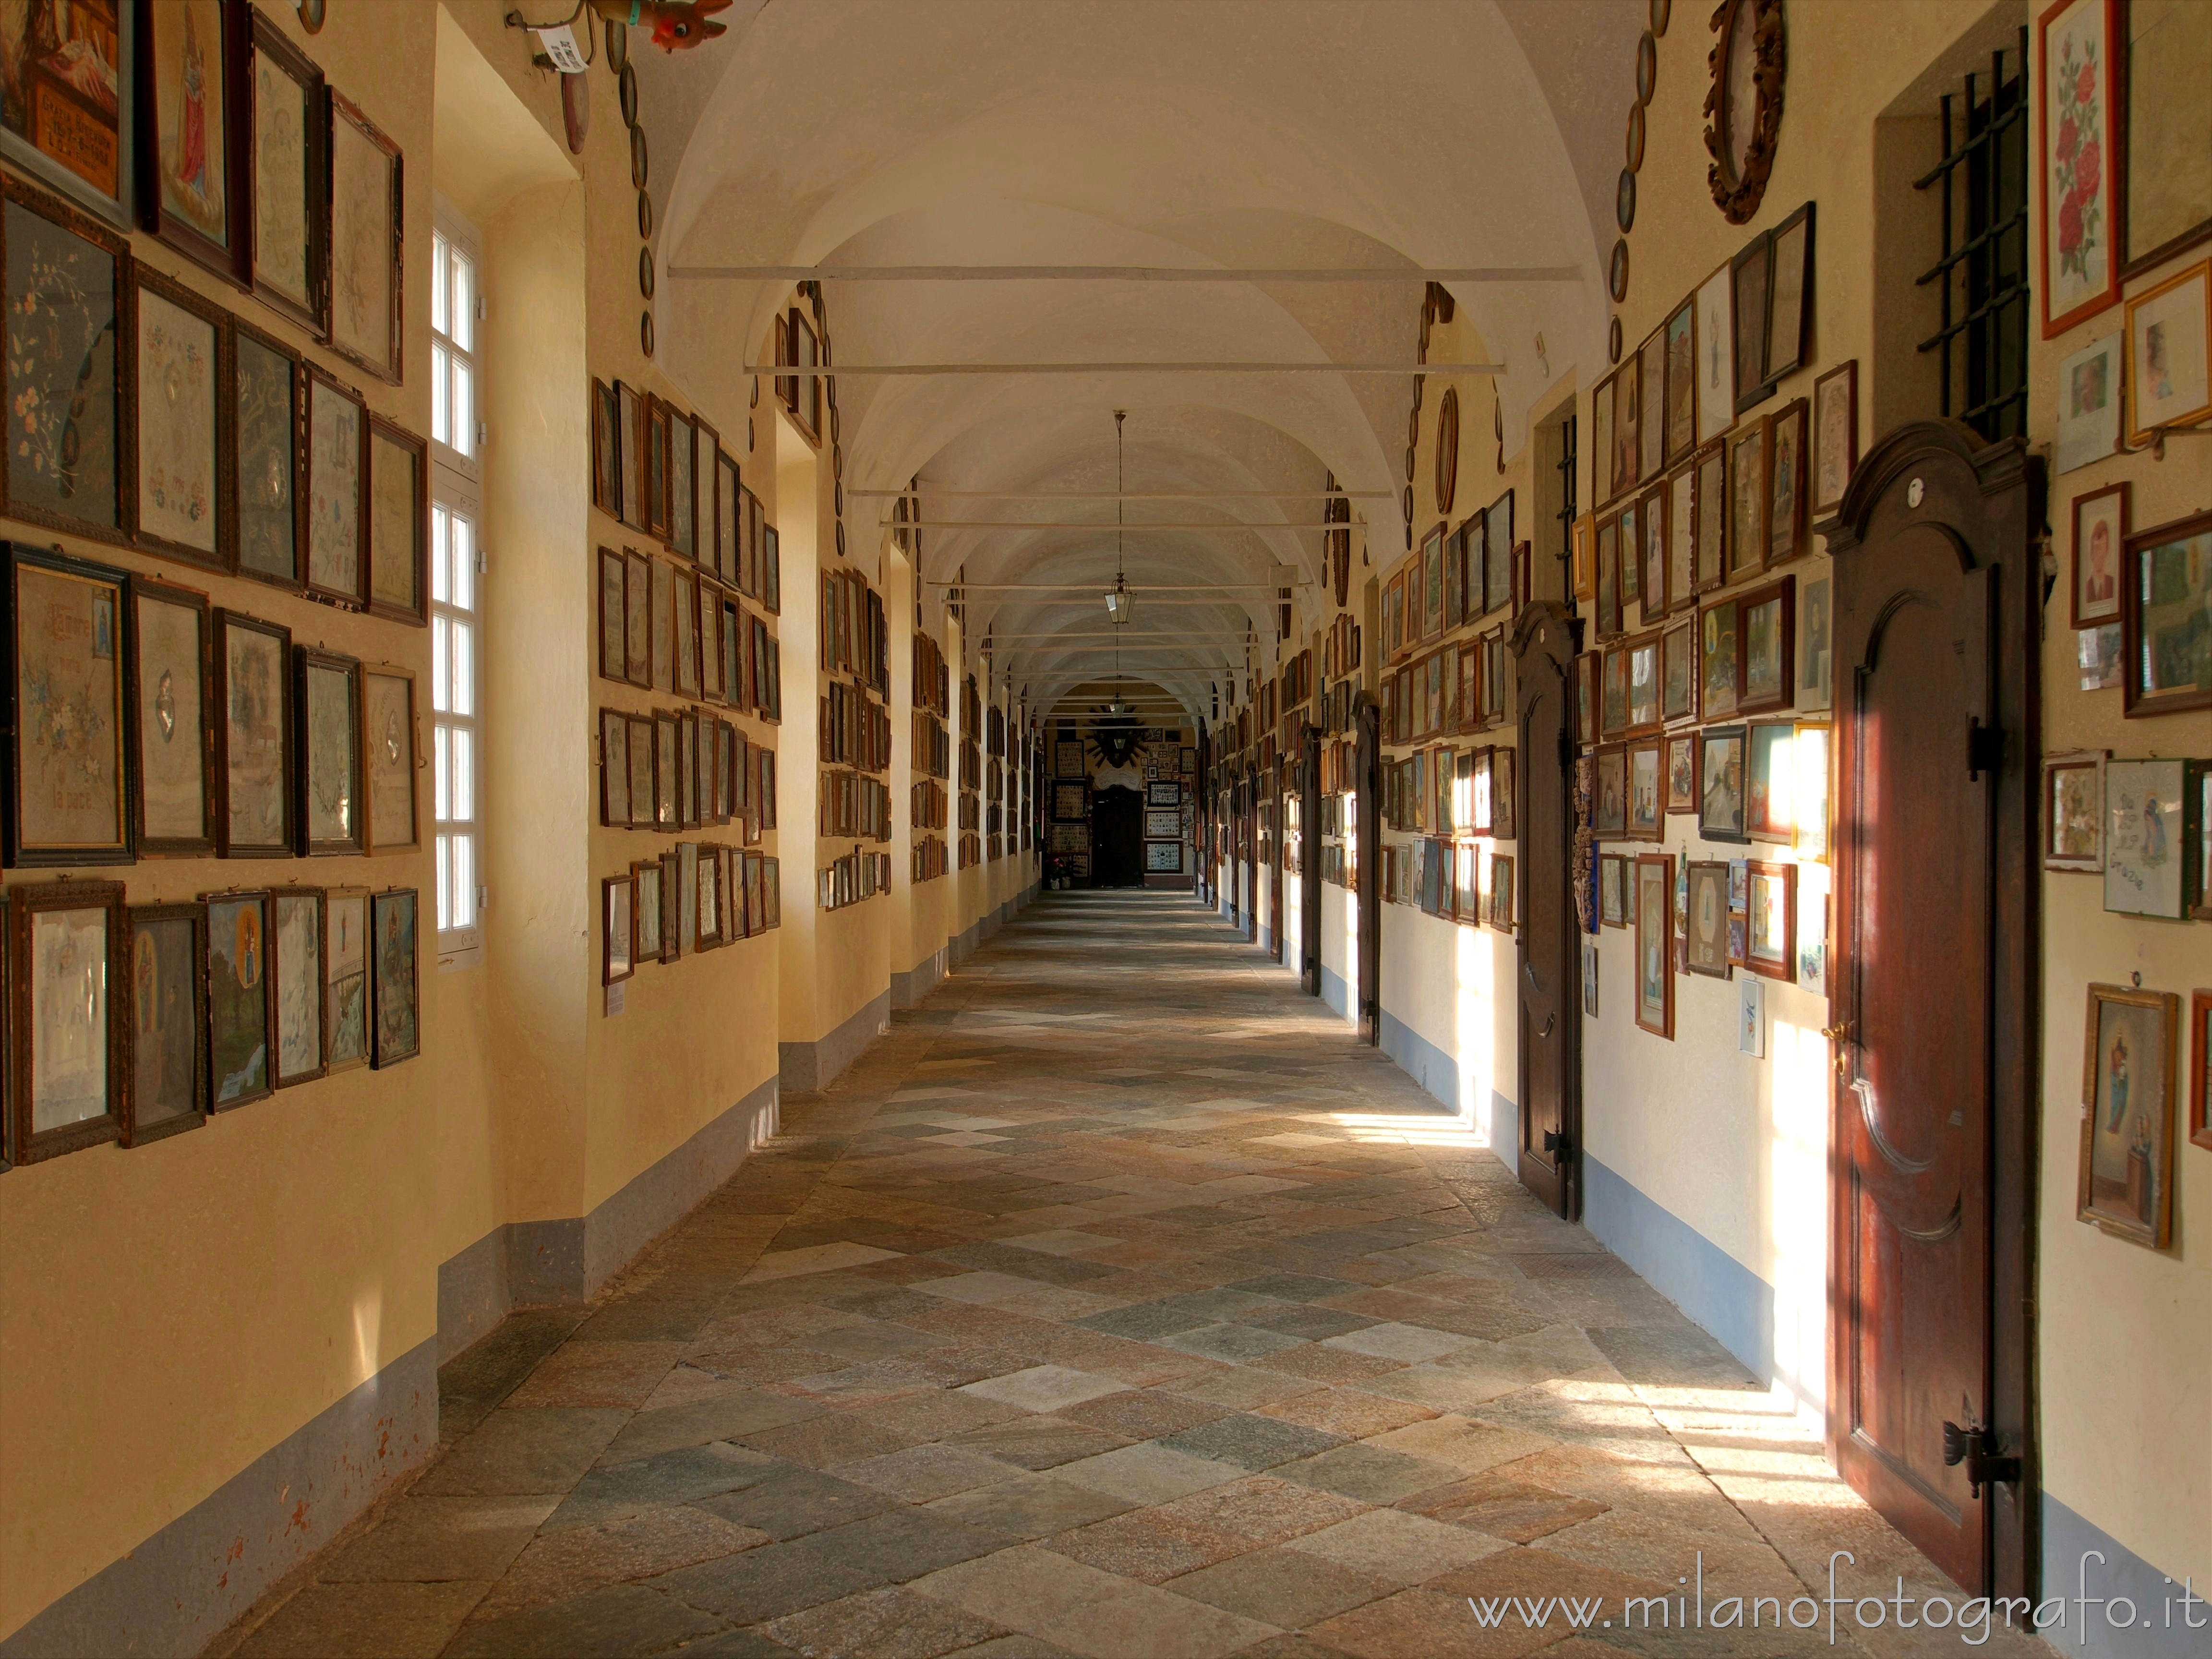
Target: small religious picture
[(2145, 863), (2074, 811), (241, 1015), (396, 1029), (2125, 1181)]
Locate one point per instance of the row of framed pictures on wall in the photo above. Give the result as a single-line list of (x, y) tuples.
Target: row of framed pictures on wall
[(665, 473), (201, 122), (666, 627), (857, 875), (696, 896), (1723, 350), (145, 723), (2142, 601), (1454, 881), (2144, 825), (683, 769), (1763, 780), (132, 1022), (1457, 576), (149, 418), (1454, 793), (1737, 509), (2130, 1126), (2157, 367), (1710, 917), (1463, 685)]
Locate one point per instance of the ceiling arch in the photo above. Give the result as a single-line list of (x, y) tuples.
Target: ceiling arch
[(1141, 132)]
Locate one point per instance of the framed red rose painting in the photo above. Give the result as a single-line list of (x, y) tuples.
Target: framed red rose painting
[(2078, 46)]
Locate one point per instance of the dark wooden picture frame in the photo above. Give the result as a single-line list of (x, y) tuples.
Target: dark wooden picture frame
[(1751, 278), (382, 907), (356, 597), (343, 112), (254, 953), (270, 42), (614, 967), (147, 589), (381, 431), (2136, 700), (1662, 863), (2124, 492), (1707, 877), (228, 62), (1788, 481), (606, 449), (306, 660), (65, 727), (278, 966), (1757, 871), (2200, 1069), (2155, 1231), (119, 333), (221, 427), (138, 984), (226, 701), (1716, 819), (27, 1143), (1783, 595), (656, 420), (249, 472), (411, 768)]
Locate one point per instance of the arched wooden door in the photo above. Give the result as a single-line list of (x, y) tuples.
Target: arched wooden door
[(1937, 597), (1548, 965)]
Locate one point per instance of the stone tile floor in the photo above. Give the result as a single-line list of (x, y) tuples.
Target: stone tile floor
[(1116, 1303)]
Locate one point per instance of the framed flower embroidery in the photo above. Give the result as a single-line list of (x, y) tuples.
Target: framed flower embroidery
[(2077, 42)]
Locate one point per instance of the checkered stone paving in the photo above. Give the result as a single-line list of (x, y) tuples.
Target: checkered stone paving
[(1117, 1304)]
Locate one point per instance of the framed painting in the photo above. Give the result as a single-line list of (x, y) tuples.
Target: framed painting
[(64, 290), (1785, 483), (1749, 275), (1721, 764), (2169, 330), (367, 212), (1612, 890), (1678, 672), (1815, 642), (1812, 789), (1609, 798), (684, 486), (646, 884), (1651, 582), (1682, 773), (1644, 692), (1718, 684), (2074, 811), (661, 624), (614, 769), (165, 1087), (191, 184), (1584, 572), (1608, 621), (390, 766), (2166, 603), (667, 808), (684, 631), (1627, 424), (2200, 1068), (1767, 808), (1589, 978), (629, 414), (713, 682), (1631, 556), (1706, 929), (1653, 902), (1835, 436), (181, 441), (67, 1043), (1789, 295), (2146, 867), (171, 696), (1586, 698), (1771, 950), (1715, 349), (637, 617), (241, 1014), (1766, 647), (2165, 175), (296, 966), (65, 701), (1503, 899), (1613, 719), (329, 725), (67, 113), (1647, 810), (1651, 428), (640, 749), (656, 423), (614, 633), (2100, 535), (1504, 802), (263, 498), (253, 736), (2077, 45), (1162, 858), (1710, 519), (619, 930), (771, 570), (2200, 855), (1602, 398), (1750, 497), (289, 224), (1681, 404), (2125, 1183), (1432, 583), (345, 978), (706, 870), (1681, 534), (398, 512), (397, 1028), (1497, 554), (606, 450), (337, 483), (729, 509)]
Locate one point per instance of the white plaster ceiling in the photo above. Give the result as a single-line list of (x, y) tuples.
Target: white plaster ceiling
[(1284, 133)]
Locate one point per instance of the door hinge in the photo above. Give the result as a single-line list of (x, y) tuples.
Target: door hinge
[(483, 434), (1984, 749), (1976, 1448), (1556, 1143), (483, 899)]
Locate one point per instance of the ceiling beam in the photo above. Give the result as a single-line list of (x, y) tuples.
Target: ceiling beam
[(876, 370), (1396, 274), (1129, 495), (1095, 524)]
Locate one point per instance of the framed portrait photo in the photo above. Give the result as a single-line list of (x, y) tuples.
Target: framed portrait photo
[(2089, 403), (2077, 47), (2165, 601), (242, 1013), (66, 1039), (396, 1031), (65, 703), (397, 504), (65, 296), (2074, 811), (329, 725), (296, 967), (288, 226), (263, 491), (165, 1087), (2126, 1183), (362, 308), (2100, 536), (181, 441), (390, 811), (2169, 330)]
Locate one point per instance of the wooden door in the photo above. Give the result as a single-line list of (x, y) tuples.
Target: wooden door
[(1366, 771), (1251, 854), (1275, 863), (1548, 968), (1117, 838), (1933, 1019), (1310, 863)]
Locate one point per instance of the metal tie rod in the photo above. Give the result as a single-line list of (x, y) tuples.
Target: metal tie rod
[(872, 371), (1104, 523), (1129, 495), (1402, 274)]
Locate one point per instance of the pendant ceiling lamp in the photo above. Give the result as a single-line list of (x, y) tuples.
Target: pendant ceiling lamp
[(1120, 603)]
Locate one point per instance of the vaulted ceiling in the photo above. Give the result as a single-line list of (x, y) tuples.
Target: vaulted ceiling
[(1285, 134)]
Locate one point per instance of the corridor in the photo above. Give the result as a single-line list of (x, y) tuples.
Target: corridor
[(1116, 1303)]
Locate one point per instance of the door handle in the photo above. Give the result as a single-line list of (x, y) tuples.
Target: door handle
[(1550, 1020), (1839, 1034)]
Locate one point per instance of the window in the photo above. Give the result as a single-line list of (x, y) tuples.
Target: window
[(457, 565), (456, 306)]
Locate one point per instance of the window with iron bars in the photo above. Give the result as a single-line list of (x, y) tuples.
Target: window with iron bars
[(1981, 280)]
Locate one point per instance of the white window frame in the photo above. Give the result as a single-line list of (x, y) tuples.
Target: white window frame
[(456, 341), (457, 618)]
